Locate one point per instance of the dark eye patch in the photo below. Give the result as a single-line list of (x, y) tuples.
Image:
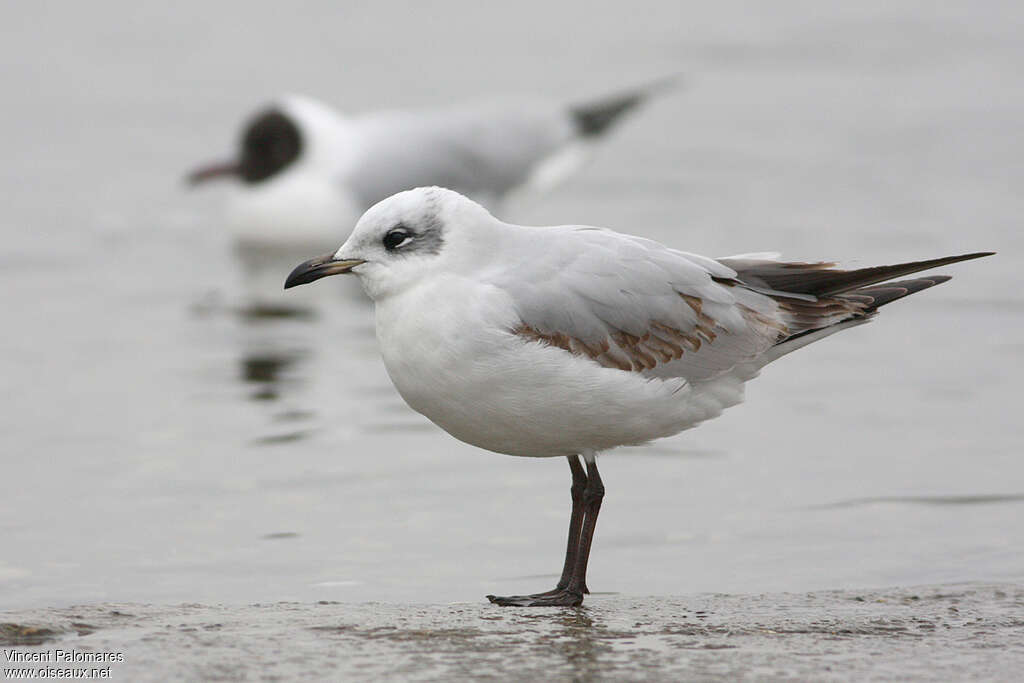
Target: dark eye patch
[(396, 237)]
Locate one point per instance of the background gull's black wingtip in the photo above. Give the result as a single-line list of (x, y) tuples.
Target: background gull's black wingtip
[(599, 116)]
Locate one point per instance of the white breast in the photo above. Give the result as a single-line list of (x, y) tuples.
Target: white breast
[(295, 208), (448, 348)]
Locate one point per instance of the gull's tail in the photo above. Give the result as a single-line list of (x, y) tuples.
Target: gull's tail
[(817, 299), (597, 117)]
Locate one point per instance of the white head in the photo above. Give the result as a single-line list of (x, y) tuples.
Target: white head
[(402, 239)]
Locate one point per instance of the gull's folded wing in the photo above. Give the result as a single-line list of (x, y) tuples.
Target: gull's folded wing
[(633, 304), (638, 306)]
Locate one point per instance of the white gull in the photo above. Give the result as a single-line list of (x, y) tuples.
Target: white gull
[(569, 341)]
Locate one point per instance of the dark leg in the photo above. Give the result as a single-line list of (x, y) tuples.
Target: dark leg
[(592, 497), (579, 485), (587, 492)]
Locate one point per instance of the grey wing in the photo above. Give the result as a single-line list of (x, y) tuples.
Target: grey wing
[(637, 306), (481, 151)]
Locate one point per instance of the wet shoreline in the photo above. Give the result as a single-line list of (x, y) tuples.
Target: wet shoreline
[(947, 632)]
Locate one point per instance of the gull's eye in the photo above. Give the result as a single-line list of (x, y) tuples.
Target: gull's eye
[(396, 237)]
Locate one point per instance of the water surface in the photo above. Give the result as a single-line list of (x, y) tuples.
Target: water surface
[(159, 445)]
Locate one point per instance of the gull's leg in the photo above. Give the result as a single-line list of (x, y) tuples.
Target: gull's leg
[(592, 497), (579, 485), (572, 585)]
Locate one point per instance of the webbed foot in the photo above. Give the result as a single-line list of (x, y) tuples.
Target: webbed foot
[(559, 597)]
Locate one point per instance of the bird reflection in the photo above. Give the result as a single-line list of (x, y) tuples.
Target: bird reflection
[(577, 641), (266, 370), (256, 312), (273, 365)]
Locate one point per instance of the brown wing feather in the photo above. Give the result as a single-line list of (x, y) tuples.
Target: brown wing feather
[(663, 343)]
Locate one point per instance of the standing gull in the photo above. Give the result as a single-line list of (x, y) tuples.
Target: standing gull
[(569, 341)]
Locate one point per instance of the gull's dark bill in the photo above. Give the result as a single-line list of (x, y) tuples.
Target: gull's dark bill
[(211, 171), (316, 268)]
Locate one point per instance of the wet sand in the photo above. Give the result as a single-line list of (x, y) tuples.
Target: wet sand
[(950, 632)]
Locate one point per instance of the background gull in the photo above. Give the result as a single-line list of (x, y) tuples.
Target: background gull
[(307, 172), (569, 341)]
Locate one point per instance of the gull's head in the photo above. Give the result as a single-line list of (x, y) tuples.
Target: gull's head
[(400, 241), (290, 131)]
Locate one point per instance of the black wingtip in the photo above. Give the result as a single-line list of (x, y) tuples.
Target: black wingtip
[(817, 279), (877, 296), (598, 117)]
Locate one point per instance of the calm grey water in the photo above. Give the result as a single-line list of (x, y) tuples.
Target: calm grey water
[(157, 446)]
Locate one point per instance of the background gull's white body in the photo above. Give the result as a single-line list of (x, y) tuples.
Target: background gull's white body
[(486, 150), (308, 172)]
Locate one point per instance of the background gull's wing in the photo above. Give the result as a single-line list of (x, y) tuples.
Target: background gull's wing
[(481, 151), (484, 150)]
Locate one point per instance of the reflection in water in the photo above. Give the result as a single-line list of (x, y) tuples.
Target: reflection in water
[(264, 368), (286, 342), (267, 370), (926, 500), (270, 320), (270, 371), (275, 439), (275, 355), (264, 311), (293, 415), (576, 642)]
